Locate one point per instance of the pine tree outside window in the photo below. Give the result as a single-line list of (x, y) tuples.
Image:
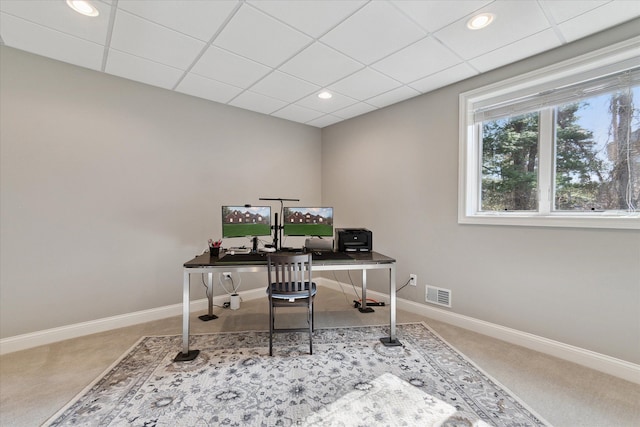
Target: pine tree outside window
[(556, 147)]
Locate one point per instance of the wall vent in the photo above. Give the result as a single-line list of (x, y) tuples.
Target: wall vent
[(439, 296)]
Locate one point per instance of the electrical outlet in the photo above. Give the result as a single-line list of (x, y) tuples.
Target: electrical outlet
[(226, 275), (413, 280)]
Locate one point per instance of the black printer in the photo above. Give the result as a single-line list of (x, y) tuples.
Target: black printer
[(354, 240)]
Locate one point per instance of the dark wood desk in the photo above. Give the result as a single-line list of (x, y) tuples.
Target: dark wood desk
[(256, 263)]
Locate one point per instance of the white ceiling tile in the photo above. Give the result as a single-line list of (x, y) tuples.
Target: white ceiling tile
[(257, 102), (266, 54), (321, 65), (261, 38), (443, 78), (433, 15), (393, 96), (297, 114), (143, 38), (282, 86), (598, 19), (364, 84), (562, 10), (142, 70), (373, 32), (209, 89), (354, 110), (229, 68), (197, 18), (34, 38), (421, 59), (524, 48), (311, 17), (58, 16), (324, 121), (514, 20), (336, 102)]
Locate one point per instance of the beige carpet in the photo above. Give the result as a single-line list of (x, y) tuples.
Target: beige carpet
[(234, 381), (36, 383)]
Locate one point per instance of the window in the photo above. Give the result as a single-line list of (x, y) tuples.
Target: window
[(556, 147)]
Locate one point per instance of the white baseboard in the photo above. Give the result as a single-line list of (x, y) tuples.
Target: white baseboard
[(600, 362), (48, 336)]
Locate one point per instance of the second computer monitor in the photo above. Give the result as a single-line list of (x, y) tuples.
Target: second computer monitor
[(308, 222), (241, 221)]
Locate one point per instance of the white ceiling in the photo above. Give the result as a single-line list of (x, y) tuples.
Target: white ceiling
[(274, 57)]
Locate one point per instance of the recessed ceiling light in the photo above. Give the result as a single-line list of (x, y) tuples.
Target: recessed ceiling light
[(324, 95), (83, 7), (480, 21)]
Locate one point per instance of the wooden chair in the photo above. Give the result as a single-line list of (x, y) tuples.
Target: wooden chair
[(290, 285)]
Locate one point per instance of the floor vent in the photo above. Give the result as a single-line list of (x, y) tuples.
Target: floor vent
[(439, 296)]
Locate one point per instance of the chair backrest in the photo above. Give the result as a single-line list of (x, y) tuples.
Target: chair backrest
[(289, 273)]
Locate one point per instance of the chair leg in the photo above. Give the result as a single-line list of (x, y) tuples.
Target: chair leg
[(271, 325), (310, 314)]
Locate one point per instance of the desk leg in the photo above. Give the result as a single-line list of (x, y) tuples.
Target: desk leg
[(392, 341), (364, 308), (185, 354), (209, 315)]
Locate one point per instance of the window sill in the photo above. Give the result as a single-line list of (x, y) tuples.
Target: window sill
[(572, 220)]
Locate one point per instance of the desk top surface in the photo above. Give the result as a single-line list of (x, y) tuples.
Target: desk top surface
[(319, 258)]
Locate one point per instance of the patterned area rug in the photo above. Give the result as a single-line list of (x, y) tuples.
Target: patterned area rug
[(234, 382)]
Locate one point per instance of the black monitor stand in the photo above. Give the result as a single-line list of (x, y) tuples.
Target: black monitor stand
[(277, 228)]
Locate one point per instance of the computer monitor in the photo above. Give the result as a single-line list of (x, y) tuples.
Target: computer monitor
[(308, 222), (241, 221)]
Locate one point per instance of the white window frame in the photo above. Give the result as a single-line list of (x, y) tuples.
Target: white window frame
[(615, 58)]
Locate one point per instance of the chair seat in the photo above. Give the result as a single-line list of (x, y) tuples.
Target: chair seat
[(298, 294)]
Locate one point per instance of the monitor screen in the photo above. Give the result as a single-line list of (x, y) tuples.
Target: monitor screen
[(308, 222), (241, 221)]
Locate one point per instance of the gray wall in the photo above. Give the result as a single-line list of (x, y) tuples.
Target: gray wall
[(577, 286), (109, 186)]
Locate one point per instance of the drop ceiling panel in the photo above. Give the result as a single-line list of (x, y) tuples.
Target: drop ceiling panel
[(563, 10), (297, 113), (526, 47), (146, 39), (373, 32), (443, 78), (284, 87), (54, 44), (314, 18), (326, 120), (50, 14), (365, 84), (393, 96), (418, 60), (257, 102), (261, 38), (273, 56), (201, 19), (337, 102), (433, 15), (599, 18), (212, 90), (321, 65), (142, 70), (354, 110), (514, 21), (229, 68)]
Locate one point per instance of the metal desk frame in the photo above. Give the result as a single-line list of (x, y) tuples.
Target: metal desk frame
[(364, 262)]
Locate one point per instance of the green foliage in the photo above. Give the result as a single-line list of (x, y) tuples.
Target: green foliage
[(509, 163), (578, 169)]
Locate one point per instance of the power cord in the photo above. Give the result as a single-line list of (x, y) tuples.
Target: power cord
[(403, 286)]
